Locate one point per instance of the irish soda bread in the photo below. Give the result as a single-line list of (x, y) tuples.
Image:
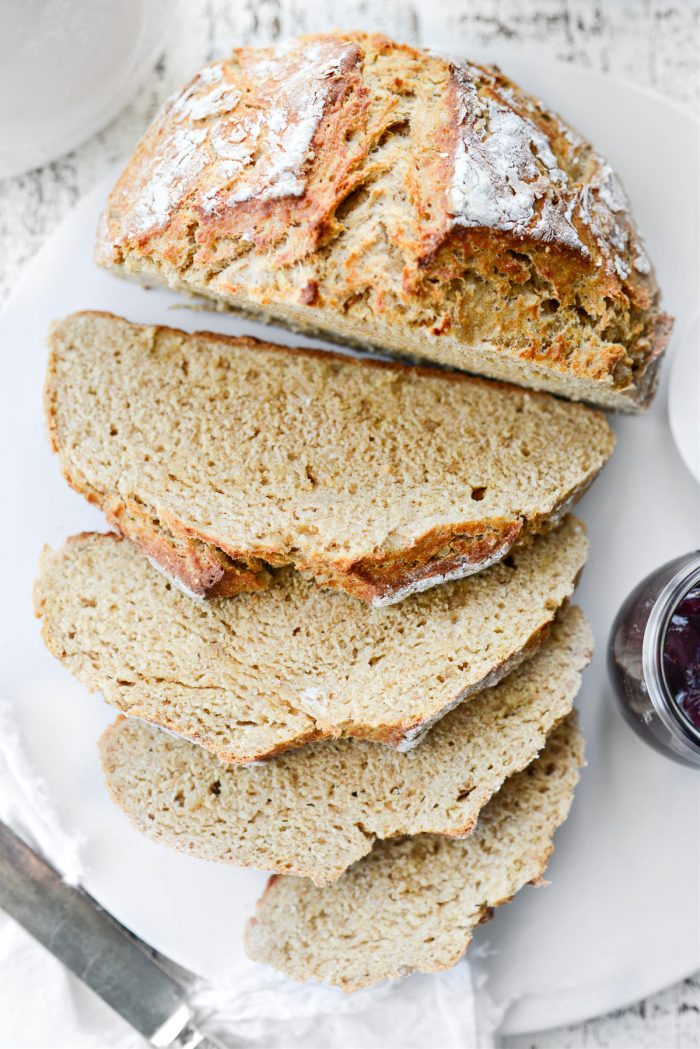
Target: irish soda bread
[(219, 456), (413, 903), (254, 675), (347, 185), (316, 810)]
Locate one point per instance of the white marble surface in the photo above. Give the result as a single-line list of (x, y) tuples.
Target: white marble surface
[(653, 42)]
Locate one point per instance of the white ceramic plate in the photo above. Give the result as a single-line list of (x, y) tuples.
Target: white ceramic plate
[(620, 919)]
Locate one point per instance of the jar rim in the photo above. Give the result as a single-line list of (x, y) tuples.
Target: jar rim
[(652, 653)]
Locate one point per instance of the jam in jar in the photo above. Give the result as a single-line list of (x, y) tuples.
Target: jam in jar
[(654, 659)]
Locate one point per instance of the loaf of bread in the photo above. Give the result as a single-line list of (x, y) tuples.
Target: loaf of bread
[(222, 456), (346, 185), (414, 902), (315, 811), (252, 676)]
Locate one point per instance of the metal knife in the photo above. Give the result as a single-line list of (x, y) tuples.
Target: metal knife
[(149, 991)]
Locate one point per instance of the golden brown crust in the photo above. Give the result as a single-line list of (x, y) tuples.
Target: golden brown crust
[(649, 378), (201, 568), (208, 568), (442, 553), (428, 206)]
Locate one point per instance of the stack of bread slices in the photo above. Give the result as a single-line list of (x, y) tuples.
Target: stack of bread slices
[(334, 612)]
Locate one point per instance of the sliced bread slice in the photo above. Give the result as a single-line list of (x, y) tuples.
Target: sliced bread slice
[(315, 811), (221, 456), (292, 664), (413, 903)]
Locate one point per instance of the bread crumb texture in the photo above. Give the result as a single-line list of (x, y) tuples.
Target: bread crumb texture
[(413, 903), (347, 184), (249, 676), (223, 457), (314, 811)]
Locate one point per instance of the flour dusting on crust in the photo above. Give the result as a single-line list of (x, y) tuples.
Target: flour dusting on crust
[(506, 177), (220, 98), (169, 180), (503, 166), (296, 83), (417, 586), (224, 147), (604, 207)]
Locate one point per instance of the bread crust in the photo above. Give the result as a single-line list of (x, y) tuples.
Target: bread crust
[(206, 567), (374, 237)]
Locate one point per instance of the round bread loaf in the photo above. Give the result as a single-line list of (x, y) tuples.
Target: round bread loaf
[(379, 194)]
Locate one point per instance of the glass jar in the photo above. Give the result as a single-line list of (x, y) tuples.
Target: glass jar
[(653, 659)]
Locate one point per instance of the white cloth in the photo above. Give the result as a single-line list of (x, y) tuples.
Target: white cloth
[(44, 1007)]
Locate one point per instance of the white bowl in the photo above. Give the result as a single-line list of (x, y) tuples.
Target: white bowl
[(66, 68)]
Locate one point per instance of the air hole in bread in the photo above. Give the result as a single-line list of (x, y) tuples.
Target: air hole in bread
[(353, 200)]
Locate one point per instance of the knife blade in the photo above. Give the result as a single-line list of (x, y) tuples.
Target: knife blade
[(113, 962)]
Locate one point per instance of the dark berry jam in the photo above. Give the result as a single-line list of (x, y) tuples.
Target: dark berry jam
[(654, 659), (681, 656)]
